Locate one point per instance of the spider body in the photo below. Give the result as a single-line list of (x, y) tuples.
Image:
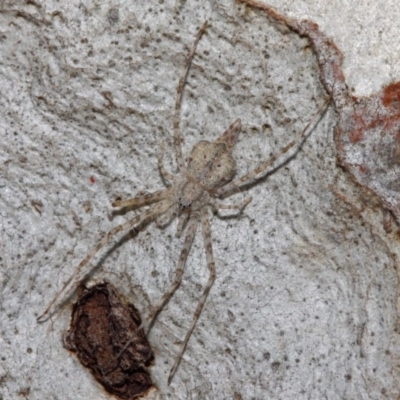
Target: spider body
[(210, 166), (207, 176)]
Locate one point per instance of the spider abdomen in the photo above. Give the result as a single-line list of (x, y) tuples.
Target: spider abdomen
[(211, 164)]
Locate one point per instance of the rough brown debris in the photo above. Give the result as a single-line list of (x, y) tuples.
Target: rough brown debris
[(102, 322)]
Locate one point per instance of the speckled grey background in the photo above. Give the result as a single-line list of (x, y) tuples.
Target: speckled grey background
[(305, 301)]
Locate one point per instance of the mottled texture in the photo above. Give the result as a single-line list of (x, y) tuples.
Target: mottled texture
[(305, 303), (368, 131), (102, 322)]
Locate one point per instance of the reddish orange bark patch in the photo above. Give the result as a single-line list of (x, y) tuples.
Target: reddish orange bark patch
[(391, 94)]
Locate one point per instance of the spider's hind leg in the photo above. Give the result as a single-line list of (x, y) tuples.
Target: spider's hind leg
[(168, 177), (262, 169), (181, 84)]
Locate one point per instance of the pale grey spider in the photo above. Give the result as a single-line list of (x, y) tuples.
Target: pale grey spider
[(207, 175)]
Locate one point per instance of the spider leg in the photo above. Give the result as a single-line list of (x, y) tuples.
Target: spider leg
[(164, 219), (142, 200), (219, 206), (260, 170), (147, 323), (166, 175), (205, 223), (181, 84), (191, 230), (69, 285), (181, 224)]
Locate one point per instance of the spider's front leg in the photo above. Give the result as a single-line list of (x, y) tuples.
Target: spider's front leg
[(206, 229), (240, 207), (165, 219), (143, 200), (183, 219), (147, 323), (191, 231), (80, 271)]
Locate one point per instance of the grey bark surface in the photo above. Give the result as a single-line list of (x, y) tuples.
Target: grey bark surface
[(305, 301)]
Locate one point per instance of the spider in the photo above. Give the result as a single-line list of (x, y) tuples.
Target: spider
[(205, 177)]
